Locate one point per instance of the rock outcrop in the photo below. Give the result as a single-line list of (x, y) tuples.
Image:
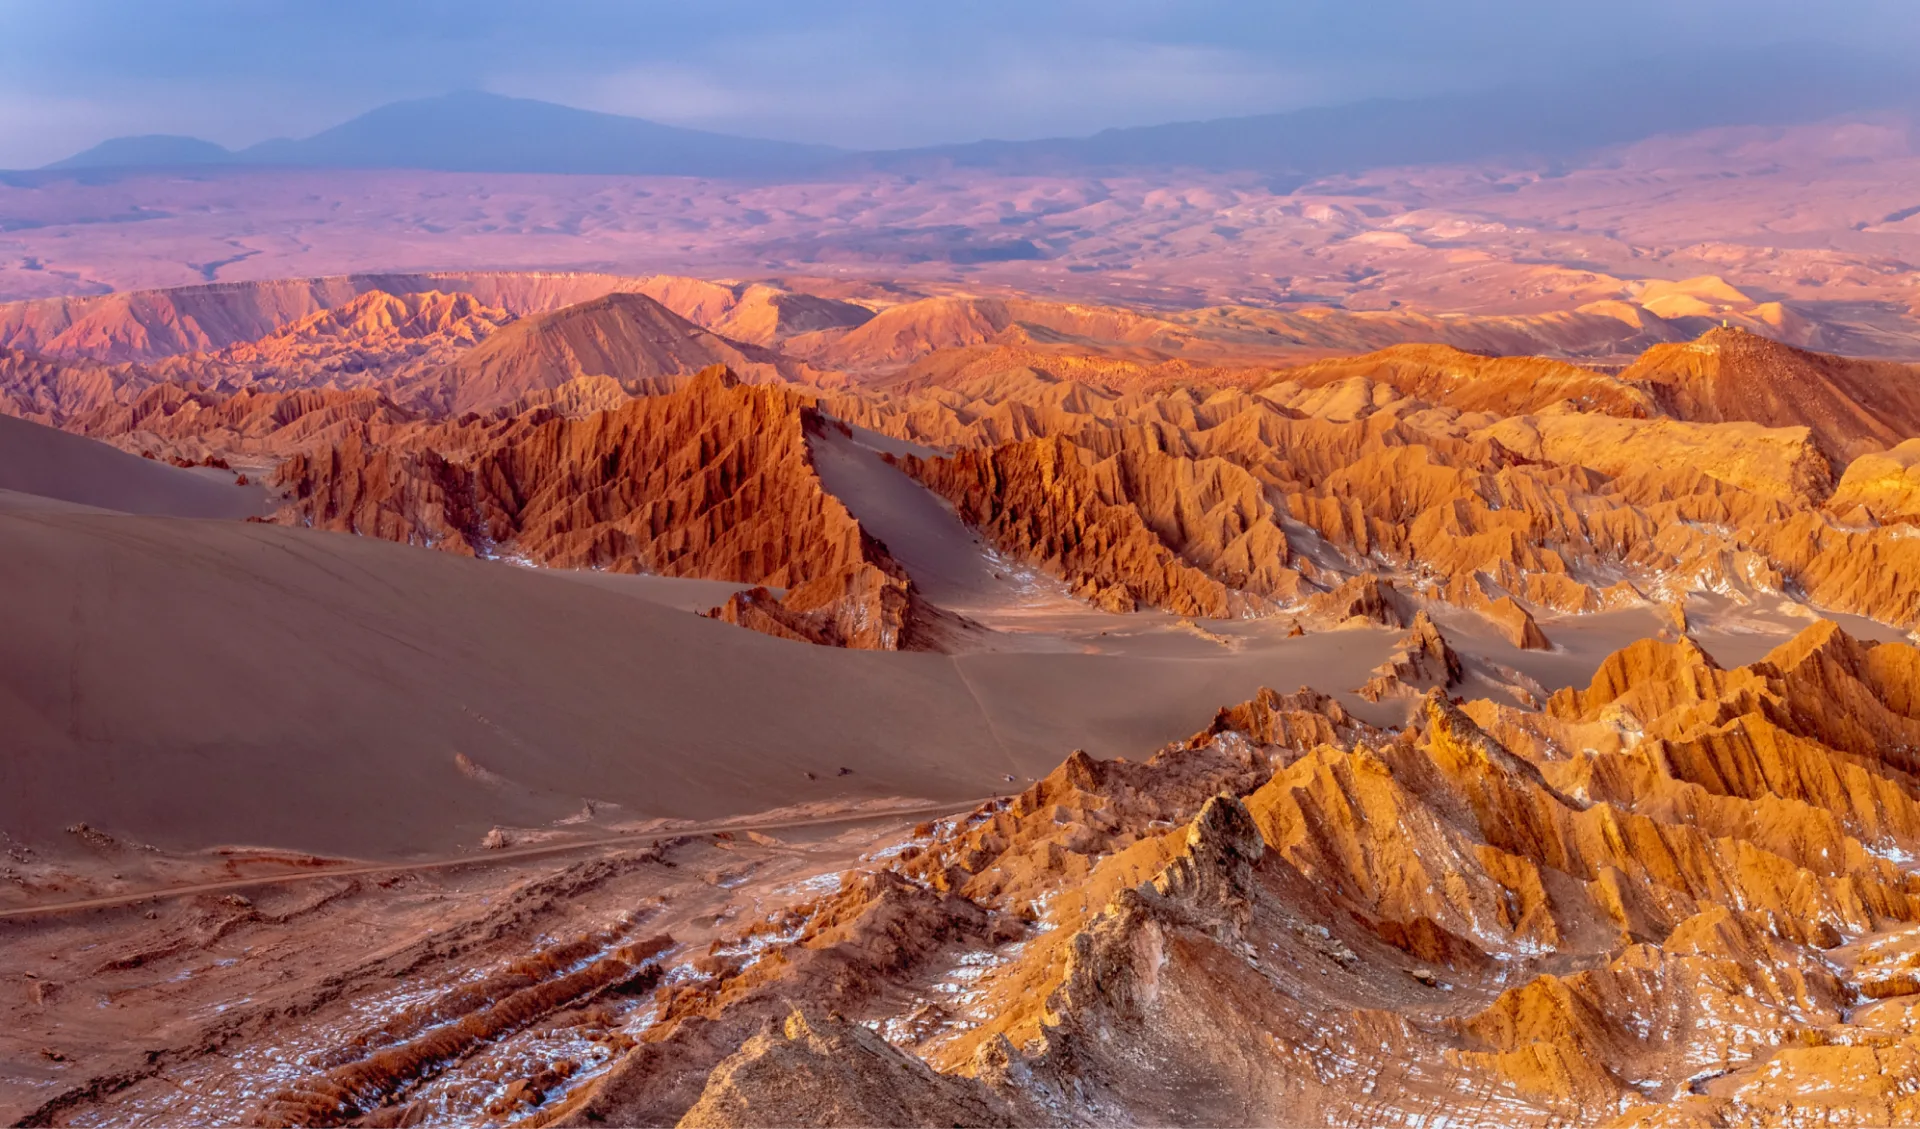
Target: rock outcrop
[(712, 480), (754, 314), (1422, 659), (1882, 486), (52, 392), (1364, 597), (172, 419), (1550, 510), (1851, 407), (630, 338), (1293, 918), (1517, 625), (1131, 529), (1142, 459), (373, 338), (830, 1072), (150, 325), (1472, 382), (1200, 476)]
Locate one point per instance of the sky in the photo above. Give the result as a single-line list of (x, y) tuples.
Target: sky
[(854, 73)]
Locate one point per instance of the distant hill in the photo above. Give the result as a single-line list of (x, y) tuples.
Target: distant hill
[(477, 132), (153, 150), (631, 338), (1584, 112)]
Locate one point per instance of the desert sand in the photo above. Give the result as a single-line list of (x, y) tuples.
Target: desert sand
[(249, 684), (47, 463)]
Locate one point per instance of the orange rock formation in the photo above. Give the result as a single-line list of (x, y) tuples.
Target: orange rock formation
[(1850, 406), (1133, 528), (714, 479), (1576, 914), (1149, 461), (629, 337)]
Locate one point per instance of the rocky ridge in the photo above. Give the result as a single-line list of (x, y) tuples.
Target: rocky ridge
[(1656, 901), (714, 479), (1147, 461), (630, 338)]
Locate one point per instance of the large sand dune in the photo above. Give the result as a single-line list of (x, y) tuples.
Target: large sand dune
[(193, 683), (53, 464), (948, 561)]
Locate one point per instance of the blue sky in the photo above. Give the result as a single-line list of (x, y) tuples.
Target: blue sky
[(851, 72)]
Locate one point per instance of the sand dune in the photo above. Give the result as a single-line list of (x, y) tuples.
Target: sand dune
[(686, 593), (947, 561), (53, 464), (195, 683)]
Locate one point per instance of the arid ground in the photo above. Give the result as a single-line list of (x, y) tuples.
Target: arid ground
[(1430, 646)]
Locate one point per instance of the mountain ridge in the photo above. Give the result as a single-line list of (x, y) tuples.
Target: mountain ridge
[(476, 131)]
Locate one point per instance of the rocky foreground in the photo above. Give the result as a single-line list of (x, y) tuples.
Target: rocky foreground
[(1680, 896)]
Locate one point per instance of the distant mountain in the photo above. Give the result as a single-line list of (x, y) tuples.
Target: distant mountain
[(1774, 86), (154, 150), (477, 132)]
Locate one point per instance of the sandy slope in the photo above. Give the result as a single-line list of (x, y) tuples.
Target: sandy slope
[(947, 560), (686, 593), (194, 683), (53, 464)]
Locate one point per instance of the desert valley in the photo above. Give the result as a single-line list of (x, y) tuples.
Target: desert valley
[(929, 640)]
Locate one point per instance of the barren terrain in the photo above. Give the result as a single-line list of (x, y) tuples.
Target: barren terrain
[(1430, 646), (1807, 229)]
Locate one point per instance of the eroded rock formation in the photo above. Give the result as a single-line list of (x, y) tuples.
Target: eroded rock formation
[(630, 338), (1574, 914), (1132, 529), (1423, 659), (1149, 461), (714, 479), (1850, 406)]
